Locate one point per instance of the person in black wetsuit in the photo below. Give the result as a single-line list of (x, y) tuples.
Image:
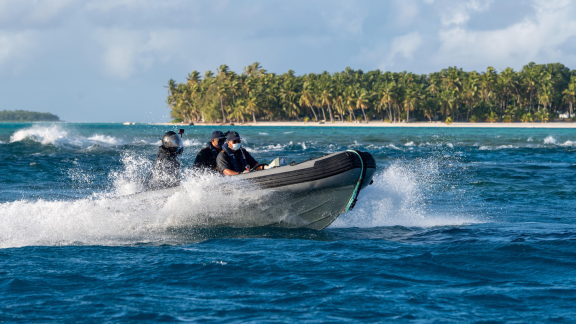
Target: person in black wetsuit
[(206, 158), (234, 159), (166, 169)]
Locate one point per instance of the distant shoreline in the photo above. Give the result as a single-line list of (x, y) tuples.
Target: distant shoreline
[(393, 125)]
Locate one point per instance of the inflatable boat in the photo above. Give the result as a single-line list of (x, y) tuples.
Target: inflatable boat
[(318, 190), (310, 194)]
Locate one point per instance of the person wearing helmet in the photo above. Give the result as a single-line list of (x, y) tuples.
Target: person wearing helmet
[(166, 169), (206, 158), (234, 159)]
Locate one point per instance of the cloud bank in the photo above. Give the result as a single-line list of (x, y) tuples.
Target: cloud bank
[(108, 60)]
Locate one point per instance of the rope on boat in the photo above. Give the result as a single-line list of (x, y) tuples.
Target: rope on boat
[(354, 197)]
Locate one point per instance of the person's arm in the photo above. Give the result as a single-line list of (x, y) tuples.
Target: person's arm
[(254, 165), (224, 164), (229, 172)]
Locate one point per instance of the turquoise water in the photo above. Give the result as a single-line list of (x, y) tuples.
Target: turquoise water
[(461, 225)]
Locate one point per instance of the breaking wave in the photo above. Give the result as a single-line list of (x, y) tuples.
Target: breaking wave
[(549, 140), (55, 135)]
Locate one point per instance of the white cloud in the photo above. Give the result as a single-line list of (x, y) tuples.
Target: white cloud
[(14, 46), (406, 12), (529, 40), (31, 13), (459, 13), (387, 56), (126, 51), (406, 45), (346, 17)]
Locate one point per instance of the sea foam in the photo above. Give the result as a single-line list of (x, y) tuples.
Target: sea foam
[(550, 140), (57, 136), (398, 198)]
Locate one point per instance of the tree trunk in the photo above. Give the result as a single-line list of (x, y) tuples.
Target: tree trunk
[(570, 110), (223, 113), (330, 112), (408, 114), (363, 113), (342, 117), (315, 117), (323, 113), (254, 116)]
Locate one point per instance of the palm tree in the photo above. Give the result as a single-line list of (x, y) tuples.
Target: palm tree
[(222, 93), (570, 94), (362, 102), (326, 95), (412, 98), (544, 96), (193, 78), (251, 106), (350, 102), (226, 95), (307, 97)]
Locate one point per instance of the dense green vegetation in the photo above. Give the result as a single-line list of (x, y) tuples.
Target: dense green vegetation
[(539, 92), (26, 116)]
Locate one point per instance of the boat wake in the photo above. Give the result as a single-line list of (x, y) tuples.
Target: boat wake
[(118, 217)]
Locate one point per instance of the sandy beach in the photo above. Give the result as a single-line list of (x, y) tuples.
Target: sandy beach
[(384, 124)]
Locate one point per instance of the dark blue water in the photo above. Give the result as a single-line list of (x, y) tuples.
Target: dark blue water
[(461, 225)]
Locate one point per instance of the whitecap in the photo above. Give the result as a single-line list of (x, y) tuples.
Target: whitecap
[(409, 144), (264, 134), (549, 140), (501, 147), (105, 139), (42, 134), (190, 142)]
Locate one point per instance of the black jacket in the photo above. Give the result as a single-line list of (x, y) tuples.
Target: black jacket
[(241, 160), (165, 171), (206, 158)]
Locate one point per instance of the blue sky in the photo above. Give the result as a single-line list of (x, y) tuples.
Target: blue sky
[(108, 60)]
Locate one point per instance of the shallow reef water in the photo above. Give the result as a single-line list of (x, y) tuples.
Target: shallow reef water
[(460, 225)]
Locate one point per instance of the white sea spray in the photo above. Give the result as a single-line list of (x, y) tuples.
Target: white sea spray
[(550, 140)]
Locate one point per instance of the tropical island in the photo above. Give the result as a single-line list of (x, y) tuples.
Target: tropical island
[(539, 92), (26, 116)]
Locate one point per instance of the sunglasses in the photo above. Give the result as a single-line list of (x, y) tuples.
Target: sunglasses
[(236, 141), (221, 141)]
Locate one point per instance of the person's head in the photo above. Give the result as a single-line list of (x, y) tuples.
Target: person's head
[(234, 141), (218, 139), (172, 142)]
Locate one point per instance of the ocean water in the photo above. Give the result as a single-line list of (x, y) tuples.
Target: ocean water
[(460, 225)]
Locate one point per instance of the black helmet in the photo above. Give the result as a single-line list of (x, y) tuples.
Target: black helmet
[(173, 142)]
